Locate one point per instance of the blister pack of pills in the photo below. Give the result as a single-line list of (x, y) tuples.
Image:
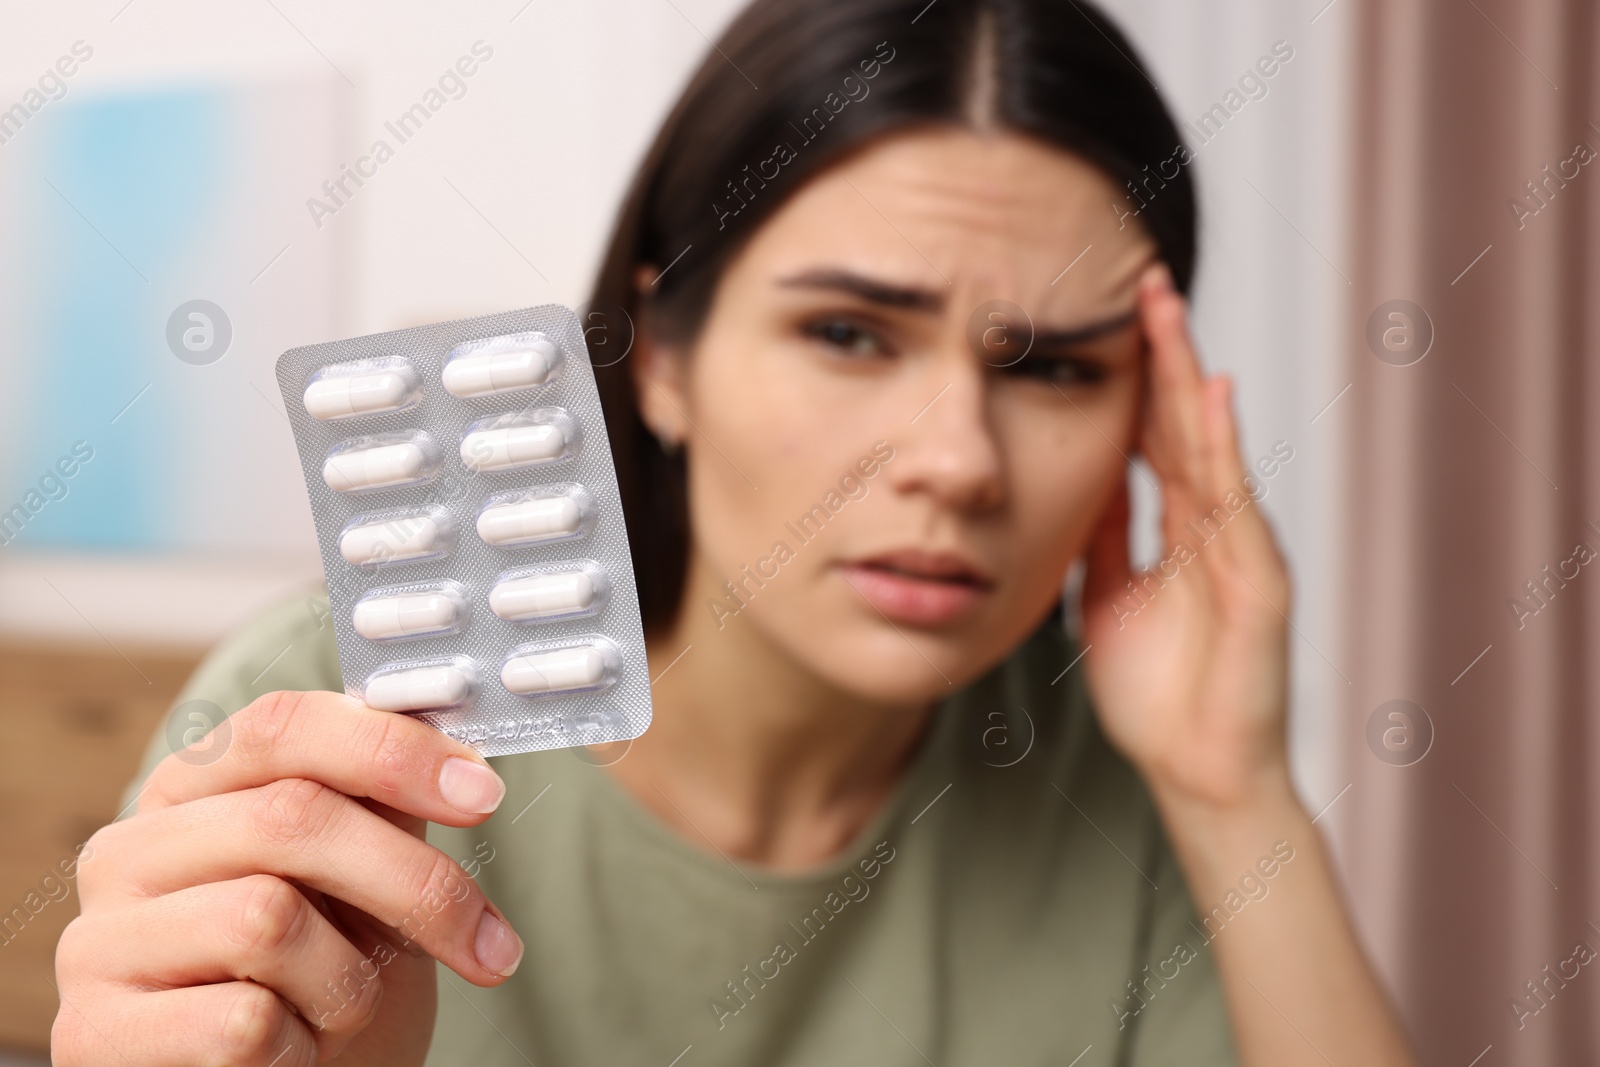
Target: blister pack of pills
[(471, 530)]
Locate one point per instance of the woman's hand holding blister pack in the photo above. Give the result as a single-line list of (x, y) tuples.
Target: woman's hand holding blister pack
[(279, 905)]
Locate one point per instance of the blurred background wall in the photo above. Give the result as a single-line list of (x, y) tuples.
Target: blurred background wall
[(174, 165)]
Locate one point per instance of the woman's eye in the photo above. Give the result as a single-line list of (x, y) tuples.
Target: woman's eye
[(1057, 371), (847, 337)]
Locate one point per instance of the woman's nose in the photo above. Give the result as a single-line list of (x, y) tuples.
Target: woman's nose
[(950, 450)]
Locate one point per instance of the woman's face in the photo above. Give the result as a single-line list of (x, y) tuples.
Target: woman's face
[(880, 490)]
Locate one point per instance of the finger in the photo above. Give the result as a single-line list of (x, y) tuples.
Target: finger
[(1249, 544), (1223, 506), (411, 824), (305, 831), (1222, 440), (235, 1023), (1174, 427), (327, 737), (258, 928)]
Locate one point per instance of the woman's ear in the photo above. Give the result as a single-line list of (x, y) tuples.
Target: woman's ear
[(657, 371)]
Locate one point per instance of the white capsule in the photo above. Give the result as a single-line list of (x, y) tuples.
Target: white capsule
[(549, 672), (540, 596), (540, 519), (391, 540), (374, 468), (404, 615), (417, 688), (500, 370), (512, 446), (357, 394)]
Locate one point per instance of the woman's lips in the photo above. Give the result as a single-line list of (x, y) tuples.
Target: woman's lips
[(916, 599)]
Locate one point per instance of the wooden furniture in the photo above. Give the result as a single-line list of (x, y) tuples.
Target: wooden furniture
[(74, 723), (86, 679)]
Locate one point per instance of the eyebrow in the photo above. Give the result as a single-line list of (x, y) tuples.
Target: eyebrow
[(1079, 334), (914, 298), (871, 290)]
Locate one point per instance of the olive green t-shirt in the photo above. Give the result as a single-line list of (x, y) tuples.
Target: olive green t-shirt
[(1015, 901)]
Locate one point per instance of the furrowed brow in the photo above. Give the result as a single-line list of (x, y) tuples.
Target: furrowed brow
[(1079, 334), (871, 290)]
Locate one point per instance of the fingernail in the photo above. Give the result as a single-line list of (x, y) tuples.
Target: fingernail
[(498, 949), (1159, 277), (470, 787)]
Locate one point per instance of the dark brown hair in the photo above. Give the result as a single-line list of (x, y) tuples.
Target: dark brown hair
[(791, 87)]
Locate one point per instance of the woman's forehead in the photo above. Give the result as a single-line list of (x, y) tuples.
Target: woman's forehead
[(979, 215)]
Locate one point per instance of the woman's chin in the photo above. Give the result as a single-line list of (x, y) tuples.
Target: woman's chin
[(877, 663)]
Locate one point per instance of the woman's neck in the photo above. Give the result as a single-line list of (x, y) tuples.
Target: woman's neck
[(752, 755)]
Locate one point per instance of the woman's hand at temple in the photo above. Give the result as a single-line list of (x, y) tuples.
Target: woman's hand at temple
[(1189, 658), (1188, 665), (277, 905)]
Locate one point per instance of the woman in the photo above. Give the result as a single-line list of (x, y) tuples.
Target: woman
[(877, 818)]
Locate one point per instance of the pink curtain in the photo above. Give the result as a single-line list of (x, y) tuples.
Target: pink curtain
[(1471, 829)]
